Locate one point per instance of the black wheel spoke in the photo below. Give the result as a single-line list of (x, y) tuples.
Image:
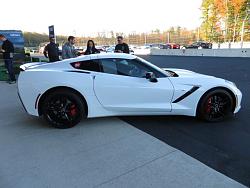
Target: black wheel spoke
[(59, 110), (224, 102), (221, 113), (217, 106)]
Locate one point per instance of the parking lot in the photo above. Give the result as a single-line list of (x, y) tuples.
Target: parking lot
[(114, 152)]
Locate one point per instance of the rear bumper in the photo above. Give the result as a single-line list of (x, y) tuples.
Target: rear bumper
[(27, 95), (21, 102)]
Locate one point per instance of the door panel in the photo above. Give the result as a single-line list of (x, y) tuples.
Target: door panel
[(130, 94)]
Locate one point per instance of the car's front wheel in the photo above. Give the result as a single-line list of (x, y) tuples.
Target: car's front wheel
[(216, 106), (63, 109)]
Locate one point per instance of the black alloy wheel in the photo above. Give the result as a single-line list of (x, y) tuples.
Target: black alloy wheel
[(216, 106), (63, 109)]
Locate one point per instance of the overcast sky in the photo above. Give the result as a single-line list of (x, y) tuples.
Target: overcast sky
[(83, 18)]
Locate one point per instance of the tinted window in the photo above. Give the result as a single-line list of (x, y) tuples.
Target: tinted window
[(89, 65), (109, 66), (140, 64), (132, 68), (127, 67)]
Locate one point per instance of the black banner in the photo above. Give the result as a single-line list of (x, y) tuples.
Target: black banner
[(51, 31)]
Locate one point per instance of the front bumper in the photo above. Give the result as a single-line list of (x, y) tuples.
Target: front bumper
[(238, 96)]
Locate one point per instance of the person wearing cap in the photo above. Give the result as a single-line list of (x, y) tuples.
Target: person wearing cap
[(121, 47), (51, 50), (8, 54)]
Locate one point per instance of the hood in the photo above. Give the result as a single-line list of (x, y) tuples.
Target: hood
[(184, 73)]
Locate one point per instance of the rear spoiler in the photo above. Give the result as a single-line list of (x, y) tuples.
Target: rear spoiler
[(27, 66)]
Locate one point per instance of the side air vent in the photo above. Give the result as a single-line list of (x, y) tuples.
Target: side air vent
[(186, 94)]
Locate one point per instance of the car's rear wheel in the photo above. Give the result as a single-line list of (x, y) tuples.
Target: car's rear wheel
[(216, 106), (63, 109)]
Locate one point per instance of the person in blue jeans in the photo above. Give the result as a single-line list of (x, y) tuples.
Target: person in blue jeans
[(8, 53)]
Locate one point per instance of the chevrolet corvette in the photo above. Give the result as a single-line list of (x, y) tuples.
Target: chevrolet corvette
[(116, 84)]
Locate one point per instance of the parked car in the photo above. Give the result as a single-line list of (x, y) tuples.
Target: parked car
[(112, 50), (173, 45), (199, 45), (160, 46), (101, 49), (116, 84)]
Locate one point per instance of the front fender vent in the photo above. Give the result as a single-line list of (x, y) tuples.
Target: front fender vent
[(186, 94)]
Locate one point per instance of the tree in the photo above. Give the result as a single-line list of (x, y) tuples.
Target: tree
[(222, 17), (206, 12)]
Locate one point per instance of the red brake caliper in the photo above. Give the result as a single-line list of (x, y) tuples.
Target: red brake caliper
[(73, 110), (208, 106)]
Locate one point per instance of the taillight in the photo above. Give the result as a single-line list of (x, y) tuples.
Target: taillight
[(76, 65)]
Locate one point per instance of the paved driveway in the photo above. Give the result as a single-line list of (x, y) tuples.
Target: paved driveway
[(103, 152)]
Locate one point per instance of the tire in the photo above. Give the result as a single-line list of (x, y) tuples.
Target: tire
[(63, 109), (216, 106)]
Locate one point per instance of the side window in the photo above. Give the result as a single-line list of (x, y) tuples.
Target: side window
[(148, 68), (89, 65), (131, 68), (127, 67), (135, 68), (109, 66)]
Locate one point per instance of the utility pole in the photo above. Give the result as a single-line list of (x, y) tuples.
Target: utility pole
[(198, 35), (243, 26), (168, 37), (226, 25), (242, 33)]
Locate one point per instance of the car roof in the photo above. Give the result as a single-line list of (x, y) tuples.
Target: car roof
[(108, 55)]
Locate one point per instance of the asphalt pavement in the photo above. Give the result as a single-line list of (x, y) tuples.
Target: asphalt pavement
[(100, 152), (223, 146)]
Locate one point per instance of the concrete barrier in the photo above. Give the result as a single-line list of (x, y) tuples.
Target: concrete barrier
[(203, 52), (142, 51), (233, 45)]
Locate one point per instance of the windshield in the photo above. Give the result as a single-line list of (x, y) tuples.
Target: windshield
[(154, 67)]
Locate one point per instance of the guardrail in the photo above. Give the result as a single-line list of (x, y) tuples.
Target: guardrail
[(202, 52)]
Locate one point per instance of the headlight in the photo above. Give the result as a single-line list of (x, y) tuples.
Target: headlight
[(232, 83)]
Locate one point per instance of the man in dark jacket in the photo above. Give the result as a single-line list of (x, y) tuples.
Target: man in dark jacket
[(121, 47), (8, 54), (51, 51)]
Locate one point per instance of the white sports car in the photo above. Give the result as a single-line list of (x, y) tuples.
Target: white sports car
[(121, 84)]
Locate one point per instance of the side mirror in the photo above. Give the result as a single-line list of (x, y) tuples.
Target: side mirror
[(151, 77)]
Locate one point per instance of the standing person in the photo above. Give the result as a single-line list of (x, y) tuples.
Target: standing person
[(91, 48), (51, 51), (8, 54), (121, 47), (68, 49)]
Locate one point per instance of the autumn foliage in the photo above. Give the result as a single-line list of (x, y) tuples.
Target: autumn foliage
[(225, 20)]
